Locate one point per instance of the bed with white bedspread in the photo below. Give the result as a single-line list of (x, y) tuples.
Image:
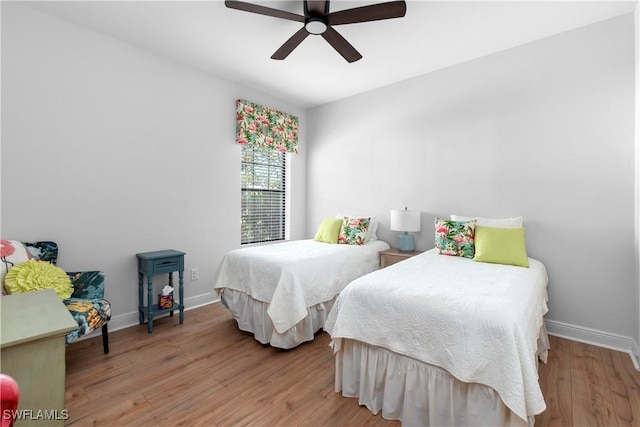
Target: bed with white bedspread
[(283, 292), (443, 340)]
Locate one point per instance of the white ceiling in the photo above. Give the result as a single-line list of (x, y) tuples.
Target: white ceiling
[(237, 45)]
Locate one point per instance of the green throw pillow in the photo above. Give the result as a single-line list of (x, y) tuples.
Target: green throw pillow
[(501, 246), (328, 230), (33, 275)]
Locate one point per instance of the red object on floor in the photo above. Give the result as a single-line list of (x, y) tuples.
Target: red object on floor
[(9, 396)]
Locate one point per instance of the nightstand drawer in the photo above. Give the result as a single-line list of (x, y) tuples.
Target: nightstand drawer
[(166, 265), (394, 256), (389, 259)]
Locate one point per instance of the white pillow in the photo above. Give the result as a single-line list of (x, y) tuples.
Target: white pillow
[(371, 230), (491, 222)]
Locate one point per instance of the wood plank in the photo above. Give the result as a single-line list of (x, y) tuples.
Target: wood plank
[(591, 397), (126, 412), (336, 411), (555, 383), (295, 410), (624, 383)]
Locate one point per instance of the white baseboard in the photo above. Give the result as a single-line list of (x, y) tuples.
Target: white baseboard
[(128, 320), (595, 337), (635, 355)]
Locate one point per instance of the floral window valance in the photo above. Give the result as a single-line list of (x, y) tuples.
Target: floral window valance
[(265, 127)]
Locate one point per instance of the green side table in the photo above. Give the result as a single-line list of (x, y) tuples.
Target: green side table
[(151, 264)]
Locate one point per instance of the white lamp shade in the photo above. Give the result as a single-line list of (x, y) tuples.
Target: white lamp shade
[(404, 220)]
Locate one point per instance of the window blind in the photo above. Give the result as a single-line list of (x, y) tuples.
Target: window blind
[(263, 205)]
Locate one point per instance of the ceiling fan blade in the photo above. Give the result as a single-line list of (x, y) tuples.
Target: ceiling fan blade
[(290, 44), (340, 44), (263, 10), (374, 12)]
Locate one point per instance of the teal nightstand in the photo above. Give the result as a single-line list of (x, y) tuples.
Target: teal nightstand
[(151, 264)]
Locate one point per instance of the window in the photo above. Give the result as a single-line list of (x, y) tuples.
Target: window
[(266, 136), (263, 217)]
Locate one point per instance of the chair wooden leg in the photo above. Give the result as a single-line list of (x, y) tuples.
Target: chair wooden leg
[(105, 339)]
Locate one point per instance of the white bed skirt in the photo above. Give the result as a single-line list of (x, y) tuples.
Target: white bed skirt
[(252, 316), (417, 393)]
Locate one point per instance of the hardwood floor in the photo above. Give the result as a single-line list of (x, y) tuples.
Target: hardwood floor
[(208, 373), (584, 385)]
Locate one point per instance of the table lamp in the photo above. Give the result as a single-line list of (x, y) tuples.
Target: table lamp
[(406, 221)]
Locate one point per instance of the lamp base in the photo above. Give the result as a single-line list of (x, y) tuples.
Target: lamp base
[(406, 242)]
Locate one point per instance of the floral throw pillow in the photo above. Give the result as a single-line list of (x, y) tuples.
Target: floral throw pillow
[(455, 238), (12, 253), (354, 230)]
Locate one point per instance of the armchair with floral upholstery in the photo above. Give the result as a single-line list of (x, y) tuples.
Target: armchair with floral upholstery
[(86, 302)]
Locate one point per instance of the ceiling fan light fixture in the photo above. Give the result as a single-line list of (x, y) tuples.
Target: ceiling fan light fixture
[(315, 25)]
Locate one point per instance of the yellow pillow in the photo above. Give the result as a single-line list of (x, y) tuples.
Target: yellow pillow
[(33, 275), (501, 246), (329, 230)]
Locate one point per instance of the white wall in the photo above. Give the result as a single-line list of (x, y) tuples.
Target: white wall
[(545, 130), (110, 150)]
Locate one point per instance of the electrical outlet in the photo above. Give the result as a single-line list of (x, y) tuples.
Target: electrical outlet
[(195, 274)]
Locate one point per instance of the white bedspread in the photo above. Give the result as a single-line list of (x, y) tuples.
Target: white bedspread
[(478, 321), (294, 275)]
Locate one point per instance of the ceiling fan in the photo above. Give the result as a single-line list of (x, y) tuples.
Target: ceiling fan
[(319, 21)]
